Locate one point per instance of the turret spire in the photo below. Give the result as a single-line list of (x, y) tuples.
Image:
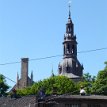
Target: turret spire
[(32, 77), (52, 72), (17, 80), (17, 77)]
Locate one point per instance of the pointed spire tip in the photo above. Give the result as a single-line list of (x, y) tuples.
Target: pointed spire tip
[(69, 9)]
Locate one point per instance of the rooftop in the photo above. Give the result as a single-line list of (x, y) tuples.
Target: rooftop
[(30, 101)]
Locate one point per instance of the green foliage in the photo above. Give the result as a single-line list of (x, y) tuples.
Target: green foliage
[(24, 92), (59, 84), (105, 63), (3, 86), (87, 82), (100, 85), (88, 78)]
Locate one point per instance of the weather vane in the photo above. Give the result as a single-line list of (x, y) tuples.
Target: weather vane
[(69, 8), (69, 3)]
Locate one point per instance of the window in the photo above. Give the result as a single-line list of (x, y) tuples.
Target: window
[(73, 49), (51, 105), (68, 49), (64, 49), (93, 105), (72, 105)]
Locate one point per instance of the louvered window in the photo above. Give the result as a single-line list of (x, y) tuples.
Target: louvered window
[(72, 105)]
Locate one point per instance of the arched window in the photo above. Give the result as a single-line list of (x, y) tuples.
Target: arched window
[(68, 48), (64, 49), (73, 48)]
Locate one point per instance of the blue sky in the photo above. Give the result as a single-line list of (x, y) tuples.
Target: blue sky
[(35, 29)]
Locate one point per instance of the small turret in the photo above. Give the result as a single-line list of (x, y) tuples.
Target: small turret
[(32, 77), (52, 75), (17, 80)]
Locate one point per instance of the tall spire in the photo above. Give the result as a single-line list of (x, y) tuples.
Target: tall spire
[(17, 80), (52, 75), (70, 66), (69, 17), (17, 77), (31, 77)]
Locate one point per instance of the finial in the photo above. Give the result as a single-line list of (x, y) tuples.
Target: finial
[(31, 73), (69, 9)]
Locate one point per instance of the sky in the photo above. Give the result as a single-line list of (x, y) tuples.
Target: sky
[(35, 29)]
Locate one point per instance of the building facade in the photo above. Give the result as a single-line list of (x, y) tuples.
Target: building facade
[(70, 66)]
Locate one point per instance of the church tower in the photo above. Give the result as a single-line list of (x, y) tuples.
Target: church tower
[(24, 81), (70, 66)]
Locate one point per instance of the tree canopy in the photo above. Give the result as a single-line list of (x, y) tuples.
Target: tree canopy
[(63, 85), (3, 86), (57, 84), (100, 85), (87, 82)]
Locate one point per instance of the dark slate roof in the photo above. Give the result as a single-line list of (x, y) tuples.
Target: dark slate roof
[(70, 75), (27, 101), (84, 97), (78, 97), (30, 101)]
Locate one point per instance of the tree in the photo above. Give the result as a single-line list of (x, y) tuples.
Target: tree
[(52, 85), (88, 78), (3, 86), (100, 85), (61, 84), (24, 92), (87, 82)]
